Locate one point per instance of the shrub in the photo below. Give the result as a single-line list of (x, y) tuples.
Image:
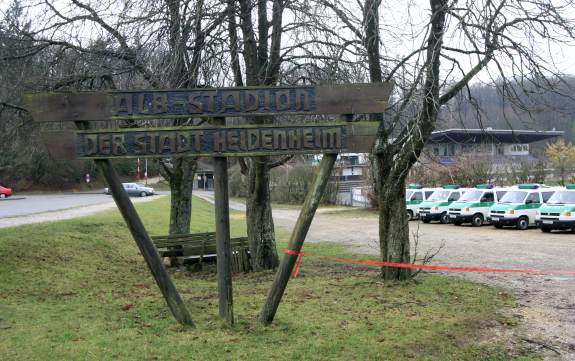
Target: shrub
[(289, 184)]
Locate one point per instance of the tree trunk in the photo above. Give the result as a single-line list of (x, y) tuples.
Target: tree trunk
[(393, 161), (260, 224), (393, 223), (181, 180), (262, 65)]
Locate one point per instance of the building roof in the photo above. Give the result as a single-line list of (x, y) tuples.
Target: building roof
[(489, 135)]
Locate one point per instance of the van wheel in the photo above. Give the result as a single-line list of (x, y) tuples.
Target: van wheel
[(522, 223), (546, 230), (143, 194), (444, 218), (424, 220), (410, 215), (457, 223), (498, 226), (477, 220)]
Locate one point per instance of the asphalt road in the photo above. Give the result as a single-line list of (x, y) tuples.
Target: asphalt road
[(33, 204), (26, 205)]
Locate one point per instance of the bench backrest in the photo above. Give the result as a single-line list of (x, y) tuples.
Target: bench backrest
[(184, 239), (201, 244), (196, 244)]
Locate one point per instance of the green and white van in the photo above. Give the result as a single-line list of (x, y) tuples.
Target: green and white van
[(435, 208), (473, 206), (414, 195), (518, 207), (559, 211)]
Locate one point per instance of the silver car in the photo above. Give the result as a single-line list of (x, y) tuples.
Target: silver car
[(135, 189)]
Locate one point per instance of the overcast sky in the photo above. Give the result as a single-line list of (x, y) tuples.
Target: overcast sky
[(407, 18)]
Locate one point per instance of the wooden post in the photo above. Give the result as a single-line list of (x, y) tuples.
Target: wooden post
[(153, 260), (223, 245), (143, 240), (298, 237)]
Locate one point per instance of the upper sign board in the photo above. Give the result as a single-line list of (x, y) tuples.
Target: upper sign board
[(208, 102)]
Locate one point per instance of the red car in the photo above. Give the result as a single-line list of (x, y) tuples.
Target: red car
[(5, 192)]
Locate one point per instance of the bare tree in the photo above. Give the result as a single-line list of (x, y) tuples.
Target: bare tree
[(257, 35), (135, 44), (500, 40)]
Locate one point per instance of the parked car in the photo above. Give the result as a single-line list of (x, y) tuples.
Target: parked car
[(473, 206), (135, 189), (519, 206), (5, 192), (559, 211), (435, 208), (414, 195)]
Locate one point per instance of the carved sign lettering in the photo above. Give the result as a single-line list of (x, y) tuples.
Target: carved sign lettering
[(206, 102), (212, 141)]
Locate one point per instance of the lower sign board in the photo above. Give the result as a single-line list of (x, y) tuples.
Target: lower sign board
[(212, 141)]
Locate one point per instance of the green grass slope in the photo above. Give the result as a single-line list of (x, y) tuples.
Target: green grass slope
[(79, 290)]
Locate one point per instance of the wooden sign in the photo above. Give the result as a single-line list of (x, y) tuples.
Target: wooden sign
[(212, 141), (206, 102)]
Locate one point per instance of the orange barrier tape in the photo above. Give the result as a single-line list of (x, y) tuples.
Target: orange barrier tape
[(425, 266), (299, 260)]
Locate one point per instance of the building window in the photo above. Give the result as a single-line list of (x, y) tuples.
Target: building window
[(519, 148)]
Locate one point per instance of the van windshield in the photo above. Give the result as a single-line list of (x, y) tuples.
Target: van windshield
[(471, 196), (439, 196), (514, 197), (408, 194), (562, 197)]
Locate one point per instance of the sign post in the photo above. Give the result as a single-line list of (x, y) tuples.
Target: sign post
[(143, 240), (218, 141), (297, 237), (145, 244), (223, 246)]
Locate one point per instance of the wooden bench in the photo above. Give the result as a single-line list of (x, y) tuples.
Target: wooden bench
[(201, 247)]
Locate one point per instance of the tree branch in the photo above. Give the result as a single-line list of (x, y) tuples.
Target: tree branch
[(281, 161)]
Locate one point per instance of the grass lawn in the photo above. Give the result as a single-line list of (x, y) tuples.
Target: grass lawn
[(79, 290)]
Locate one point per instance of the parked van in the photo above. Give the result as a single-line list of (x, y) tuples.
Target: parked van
[(559, 211), (435, 208), (518, 207), (473, 206), (414, 195)]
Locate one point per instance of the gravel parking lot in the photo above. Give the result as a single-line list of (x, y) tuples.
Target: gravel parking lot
[(546, 302)]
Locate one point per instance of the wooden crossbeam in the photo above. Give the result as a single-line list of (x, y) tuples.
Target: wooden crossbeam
[(206, 102), (245, 140)]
